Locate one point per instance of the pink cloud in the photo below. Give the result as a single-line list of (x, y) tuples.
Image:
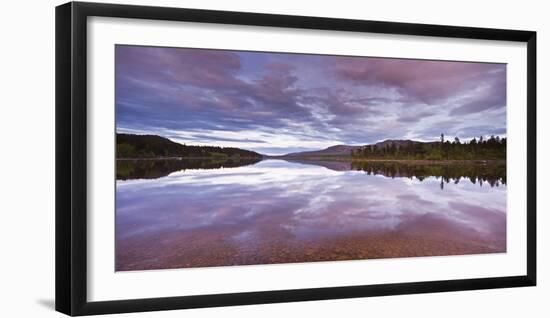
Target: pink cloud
[(422, 79)]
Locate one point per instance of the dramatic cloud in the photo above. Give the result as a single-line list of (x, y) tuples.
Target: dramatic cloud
[(277, 103)]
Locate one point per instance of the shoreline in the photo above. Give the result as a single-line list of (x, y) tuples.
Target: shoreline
[(399, 161), (189, 158), (336, 159)]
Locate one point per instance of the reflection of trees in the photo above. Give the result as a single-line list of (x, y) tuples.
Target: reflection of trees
[(493, 174), (156, 168)]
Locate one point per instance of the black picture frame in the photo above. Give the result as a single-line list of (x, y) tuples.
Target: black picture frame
[(71, 157)]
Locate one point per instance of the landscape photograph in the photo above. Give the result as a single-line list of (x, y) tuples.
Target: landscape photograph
[(230, 158)]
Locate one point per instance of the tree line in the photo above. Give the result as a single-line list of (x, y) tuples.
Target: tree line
[(492, 148), (152, 146)]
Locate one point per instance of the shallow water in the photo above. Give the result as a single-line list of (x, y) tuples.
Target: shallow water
[(276, 211)]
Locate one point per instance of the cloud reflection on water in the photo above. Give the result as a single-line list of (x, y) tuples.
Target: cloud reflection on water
[(275, 202)]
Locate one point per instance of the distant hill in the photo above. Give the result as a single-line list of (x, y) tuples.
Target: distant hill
[(152, 146), (399, 143), (345, 150), (338, 150)]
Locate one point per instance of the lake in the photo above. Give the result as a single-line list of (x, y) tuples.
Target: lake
[(199, 213)]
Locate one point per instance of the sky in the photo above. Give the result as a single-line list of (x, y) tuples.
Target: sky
[(278, 103)]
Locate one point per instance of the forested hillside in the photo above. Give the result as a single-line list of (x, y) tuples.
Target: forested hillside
[(494, 148), (152, 146)]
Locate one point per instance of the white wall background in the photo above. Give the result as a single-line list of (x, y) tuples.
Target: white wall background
[(27, 158)]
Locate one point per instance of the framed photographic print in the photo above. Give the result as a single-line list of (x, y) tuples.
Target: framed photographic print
[(209, 158)]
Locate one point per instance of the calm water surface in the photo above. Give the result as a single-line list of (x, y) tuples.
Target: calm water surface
[(180, 214)]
